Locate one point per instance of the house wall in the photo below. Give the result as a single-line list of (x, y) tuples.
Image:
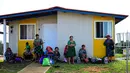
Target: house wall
[(77, 25), (99, 49), (42, 22), (39, 23), (13, 37), (22, 43), (52, 19)]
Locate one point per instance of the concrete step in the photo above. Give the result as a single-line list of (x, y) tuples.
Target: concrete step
[(34, 68)]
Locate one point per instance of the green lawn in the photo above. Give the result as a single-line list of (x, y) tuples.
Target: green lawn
[(115, 67), (12, 68), (119, 55)]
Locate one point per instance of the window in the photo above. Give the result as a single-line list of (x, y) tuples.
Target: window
[(27, 31), (103, 28)]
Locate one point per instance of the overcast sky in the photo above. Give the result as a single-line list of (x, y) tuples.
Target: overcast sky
[(109, 6)]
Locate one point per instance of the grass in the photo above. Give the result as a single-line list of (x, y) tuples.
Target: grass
[(119, 55), (12, 68), (114, 67)]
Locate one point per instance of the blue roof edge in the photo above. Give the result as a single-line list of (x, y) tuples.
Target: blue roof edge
[(116, 16)]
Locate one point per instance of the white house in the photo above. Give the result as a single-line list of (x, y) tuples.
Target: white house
[(56, 24)]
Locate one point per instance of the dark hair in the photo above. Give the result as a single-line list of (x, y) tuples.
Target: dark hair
[(71, 36), (56, 48), (108, 36), (37, 34), (9, 49), (27, 43), (83, 45)]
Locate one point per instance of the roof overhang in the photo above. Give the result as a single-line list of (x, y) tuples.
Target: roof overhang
[(54, 10)]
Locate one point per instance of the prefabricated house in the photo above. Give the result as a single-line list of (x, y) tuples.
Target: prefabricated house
[(56, 24)]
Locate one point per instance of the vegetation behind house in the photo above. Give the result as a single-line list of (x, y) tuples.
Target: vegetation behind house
[(1, 47)]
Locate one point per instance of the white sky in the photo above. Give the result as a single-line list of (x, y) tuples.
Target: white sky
[(109, 6)]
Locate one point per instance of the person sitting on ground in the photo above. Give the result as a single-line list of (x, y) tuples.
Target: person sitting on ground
[(27, 54), (49, 52), (65, 53), (83, 54), (56, 54), (9, 55)]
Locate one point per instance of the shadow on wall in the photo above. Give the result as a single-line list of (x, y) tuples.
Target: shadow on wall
[(1, 47)]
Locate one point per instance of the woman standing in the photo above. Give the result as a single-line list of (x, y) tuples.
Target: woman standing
[(71, 50), (38, 45), (109, 47)]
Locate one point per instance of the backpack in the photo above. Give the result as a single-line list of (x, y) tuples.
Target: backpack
[(105, 60), (93, 60)]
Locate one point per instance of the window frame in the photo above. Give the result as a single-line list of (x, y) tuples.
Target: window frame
[(103, 28), (27, 32)]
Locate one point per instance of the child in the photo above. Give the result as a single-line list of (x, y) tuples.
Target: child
[(56, 54), (83, 54), (27, 54), (65, 53), (9, 55), (27, 48)]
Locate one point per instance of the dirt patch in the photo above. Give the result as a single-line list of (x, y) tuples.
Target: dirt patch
[(58, 72), (94, 69)]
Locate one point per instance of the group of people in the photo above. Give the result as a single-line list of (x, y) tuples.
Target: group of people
[(69, 50)]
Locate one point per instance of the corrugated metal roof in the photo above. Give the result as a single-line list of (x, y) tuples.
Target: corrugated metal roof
[(54, 10)]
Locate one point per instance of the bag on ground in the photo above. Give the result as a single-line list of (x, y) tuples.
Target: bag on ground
[(99, 60), (105, 60), (51, 61), (86, 60), (93, 60), (41, 60), (46, 62), (65, 60)]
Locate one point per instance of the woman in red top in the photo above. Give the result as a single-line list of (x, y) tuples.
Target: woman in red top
[(49, 50)]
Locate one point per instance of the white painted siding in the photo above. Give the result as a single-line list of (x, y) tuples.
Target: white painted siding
[(13, 37), (52, 19), (77, 25)]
